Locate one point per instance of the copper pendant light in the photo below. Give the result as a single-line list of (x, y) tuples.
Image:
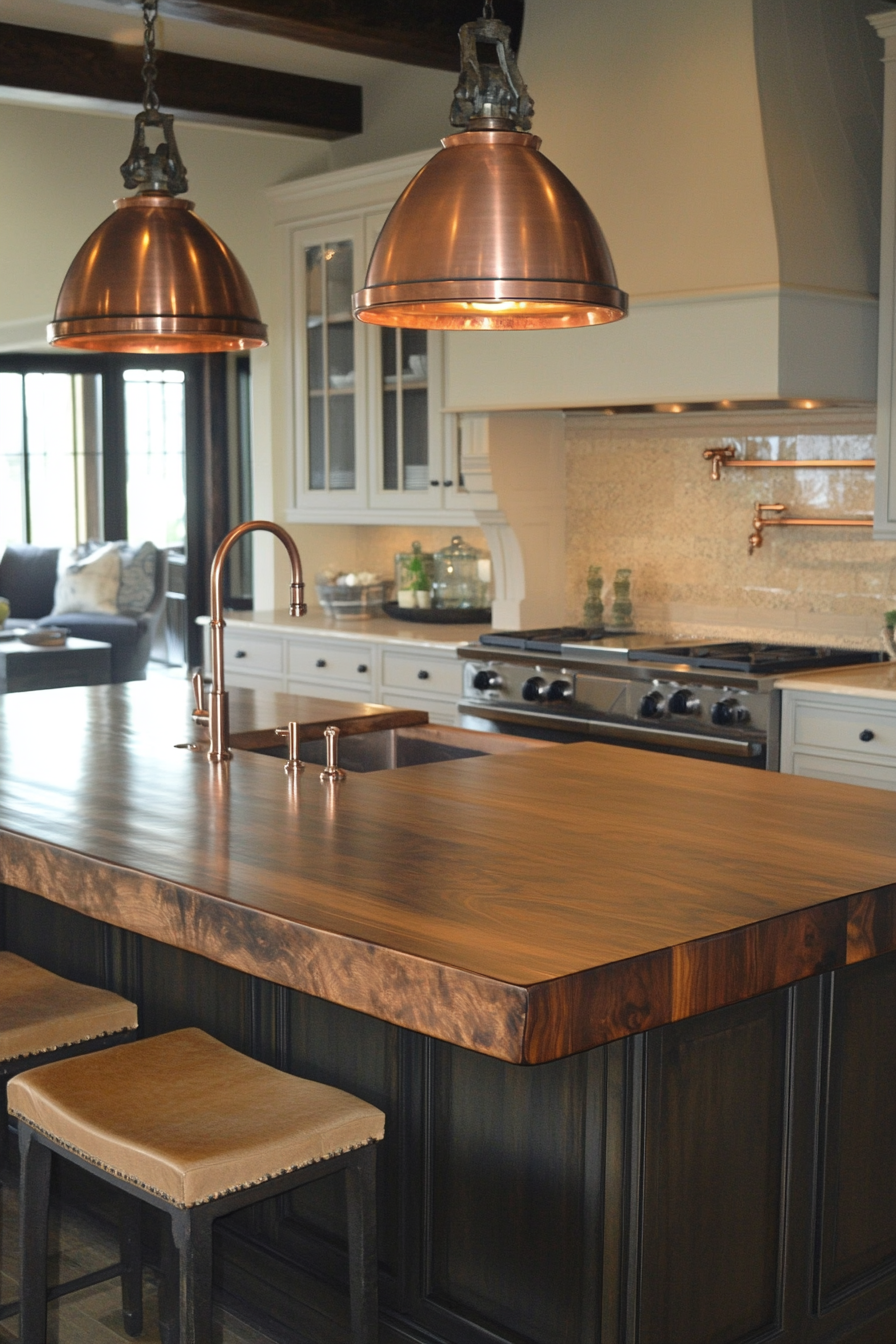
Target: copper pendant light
[(154, 278), (490, 234)]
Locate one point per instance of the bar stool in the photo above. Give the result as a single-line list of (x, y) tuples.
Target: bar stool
[(192, 1127), (44, 1017)]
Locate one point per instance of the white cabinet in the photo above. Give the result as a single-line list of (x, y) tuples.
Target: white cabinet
[(847, 738), (403, 674), (370, 439)]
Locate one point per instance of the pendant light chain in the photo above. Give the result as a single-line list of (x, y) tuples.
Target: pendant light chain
[(488, 10), (159, 169), (150, 68)]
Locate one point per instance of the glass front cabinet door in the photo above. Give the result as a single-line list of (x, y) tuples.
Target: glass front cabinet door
[(371, 436)]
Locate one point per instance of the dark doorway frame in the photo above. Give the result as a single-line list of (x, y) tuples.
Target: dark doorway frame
[(211, 443)]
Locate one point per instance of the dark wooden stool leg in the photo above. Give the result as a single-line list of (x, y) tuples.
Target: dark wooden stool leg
[(168, 1290), (360, 1188), (131, 1255), (34, 1204), (192, 1232), (4, 1156)]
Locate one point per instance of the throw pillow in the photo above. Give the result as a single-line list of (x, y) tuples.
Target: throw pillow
[(138, 578), (89, 584)]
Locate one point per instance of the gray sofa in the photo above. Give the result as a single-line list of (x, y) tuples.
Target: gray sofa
[(28, 581)]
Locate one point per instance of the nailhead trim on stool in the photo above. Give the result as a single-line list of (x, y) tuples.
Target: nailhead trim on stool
[(186, 1124), (46, 1017)]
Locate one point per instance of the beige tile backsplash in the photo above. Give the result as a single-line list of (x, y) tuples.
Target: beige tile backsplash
[(650, 504)]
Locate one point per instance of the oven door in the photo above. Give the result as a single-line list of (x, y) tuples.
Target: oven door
[(552, 727)]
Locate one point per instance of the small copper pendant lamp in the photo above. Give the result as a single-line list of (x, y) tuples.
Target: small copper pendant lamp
[(154, 278), (490, 234)]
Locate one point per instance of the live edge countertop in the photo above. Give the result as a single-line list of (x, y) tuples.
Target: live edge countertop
[(525, 906)]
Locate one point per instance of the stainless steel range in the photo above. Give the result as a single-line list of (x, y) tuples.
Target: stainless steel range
[(714, 701)]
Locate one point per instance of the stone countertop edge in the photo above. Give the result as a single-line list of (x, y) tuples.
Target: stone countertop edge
[(876, 681), (373, 629)]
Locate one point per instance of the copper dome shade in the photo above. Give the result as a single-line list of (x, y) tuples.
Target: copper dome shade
[(154, 279), (490, 234)]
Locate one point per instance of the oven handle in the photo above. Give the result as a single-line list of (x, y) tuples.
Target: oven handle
[(718, 746)]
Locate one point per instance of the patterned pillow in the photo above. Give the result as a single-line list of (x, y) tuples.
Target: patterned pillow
[(88, 584), (138, 578)]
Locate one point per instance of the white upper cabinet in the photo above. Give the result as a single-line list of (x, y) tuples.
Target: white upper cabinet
[(370, 438)]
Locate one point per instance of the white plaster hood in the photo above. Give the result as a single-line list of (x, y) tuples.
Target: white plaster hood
[(731, 151)]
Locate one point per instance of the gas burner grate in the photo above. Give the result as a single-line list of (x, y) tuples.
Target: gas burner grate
[(741, 656)]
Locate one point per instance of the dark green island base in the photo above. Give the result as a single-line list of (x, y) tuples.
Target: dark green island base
[(724, 1177)]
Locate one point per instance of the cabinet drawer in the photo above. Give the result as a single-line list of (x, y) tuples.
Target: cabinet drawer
[(253, 681), (838, 727), (252, 653), (432, 675), (845, 770), (317, 688), (322, 663)]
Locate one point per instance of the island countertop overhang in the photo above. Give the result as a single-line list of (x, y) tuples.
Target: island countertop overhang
[(525, 907)]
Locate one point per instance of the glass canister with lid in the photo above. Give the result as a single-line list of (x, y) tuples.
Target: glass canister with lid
[(462, 576)]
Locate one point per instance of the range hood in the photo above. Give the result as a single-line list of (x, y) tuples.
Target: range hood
[(732, 153)]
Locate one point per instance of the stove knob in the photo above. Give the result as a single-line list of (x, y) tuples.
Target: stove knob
[(486, 680), (559, 690), (726, 712), (683, 702), (652, 705), (535, 689)]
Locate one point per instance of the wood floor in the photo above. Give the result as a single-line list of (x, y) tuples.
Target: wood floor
[(79, 1245)]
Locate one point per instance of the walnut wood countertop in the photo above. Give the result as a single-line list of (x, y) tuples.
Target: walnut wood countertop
[(525, 906)]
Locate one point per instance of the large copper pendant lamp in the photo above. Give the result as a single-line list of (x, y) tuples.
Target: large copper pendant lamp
[(154, 278), (490, 234)]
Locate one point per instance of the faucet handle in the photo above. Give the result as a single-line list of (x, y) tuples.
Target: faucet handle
[(332, 770), (201, 710), (291, 733)]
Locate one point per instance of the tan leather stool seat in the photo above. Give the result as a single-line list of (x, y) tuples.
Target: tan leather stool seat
[(40, 1011), (187, 1118)]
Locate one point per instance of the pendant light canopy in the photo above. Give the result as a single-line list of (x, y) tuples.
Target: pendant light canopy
[(154, 278), (490, 234)]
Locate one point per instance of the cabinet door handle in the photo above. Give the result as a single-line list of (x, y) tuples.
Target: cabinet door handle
[(433, 482), (866, 735), (423, 675), (448, 483), (240, 653), (362, 667), (321, 662)]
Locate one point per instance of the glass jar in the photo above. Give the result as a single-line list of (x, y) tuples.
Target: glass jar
[(413, 577), (462, 576)]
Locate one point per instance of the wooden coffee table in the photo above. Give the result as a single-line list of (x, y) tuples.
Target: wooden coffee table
[(78, 662)]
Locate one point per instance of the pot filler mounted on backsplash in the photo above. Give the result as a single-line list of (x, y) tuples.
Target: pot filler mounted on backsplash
[(651, 504)]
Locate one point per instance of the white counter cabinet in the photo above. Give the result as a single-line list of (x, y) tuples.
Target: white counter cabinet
[(376, 661), (841, 725)]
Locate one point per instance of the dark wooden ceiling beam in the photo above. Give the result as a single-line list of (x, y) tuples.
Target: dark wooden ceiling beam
[(86, 70), (417, 32)]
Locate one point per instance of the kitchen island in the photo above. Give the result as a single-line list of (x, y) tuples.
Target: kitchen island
[(697, 964)]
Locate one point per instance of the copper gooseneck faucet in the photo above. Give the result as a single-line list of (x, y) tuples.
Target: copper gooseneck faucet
[(217, 714)]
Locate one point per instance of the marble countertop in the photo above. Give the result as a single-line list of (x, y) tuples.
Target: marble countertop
[(876, 681), (381, 629)]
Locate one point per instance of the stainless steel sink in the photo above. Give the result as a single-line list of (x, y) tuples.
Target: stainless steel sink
[(395, 748)]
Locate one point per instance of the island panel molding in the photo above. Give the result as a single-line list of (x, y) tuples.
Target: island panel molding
[(525, 906)]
